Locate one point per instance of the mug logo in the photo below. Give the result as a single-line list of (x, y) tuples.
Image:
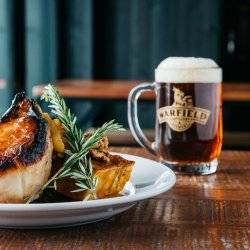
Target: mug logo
[(182, 114)]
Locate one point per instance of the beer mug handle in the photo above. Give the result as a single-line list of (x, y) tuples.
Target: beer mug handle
[(133, 117)]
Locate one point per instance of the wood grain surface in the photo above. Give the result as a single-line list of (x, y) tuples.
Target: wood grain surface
[(200, 212), (119, 89)]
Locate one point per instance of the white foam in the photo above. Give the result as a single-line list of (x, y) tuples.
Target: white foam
[(188, 70)]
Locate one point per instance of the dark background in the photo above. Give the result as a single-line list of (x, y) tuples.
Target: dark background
[(45, 40)]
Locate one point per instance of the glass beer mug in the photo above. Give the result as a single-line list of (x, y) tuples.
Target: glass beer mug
[(188, 126)]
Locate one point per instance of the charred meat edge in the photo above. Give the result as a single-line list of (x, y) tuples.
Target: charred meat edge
[(35, 151)]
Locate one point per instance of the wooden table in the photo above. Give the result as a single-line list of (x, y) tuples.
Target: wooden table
[(200, 212), (119, 90)]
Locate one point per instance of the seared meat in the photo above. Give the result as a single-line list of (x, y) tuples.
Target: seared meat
[(25, 151)]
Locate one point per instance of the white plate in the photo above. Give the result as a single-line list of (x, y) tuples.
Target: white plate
[(149, 178)]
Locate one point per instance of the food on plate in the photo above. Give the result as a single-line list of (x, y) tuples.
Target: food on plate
[(111, 171), (112, 176), (56, 130), (25, 151), (40, 152)]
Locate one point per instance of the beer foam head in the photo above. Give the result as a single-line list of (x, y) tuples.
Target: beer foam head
[(188, 70)]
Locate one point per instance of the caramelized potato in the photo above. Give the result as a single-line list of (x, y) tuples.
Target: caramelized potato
[(112, 177), (56, 133)]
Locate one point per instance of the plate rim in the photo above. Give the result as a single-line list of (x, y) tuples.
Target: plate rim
[(4, 207)]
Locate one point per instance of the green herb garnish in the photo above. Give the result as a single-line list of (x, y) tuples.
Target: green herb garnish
[(77, 165)]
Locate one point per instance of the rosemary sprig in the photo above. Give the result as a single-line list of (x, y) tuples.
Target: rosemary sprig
[(72, 134), (78, 164)]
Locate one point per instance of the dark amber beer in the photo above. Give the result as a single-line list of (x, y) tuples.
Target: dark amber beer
[(201, 141), (188, 127)]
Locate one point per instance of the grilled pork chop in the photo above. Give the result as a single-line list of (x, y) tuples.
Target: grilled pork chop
[(25, 151)]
